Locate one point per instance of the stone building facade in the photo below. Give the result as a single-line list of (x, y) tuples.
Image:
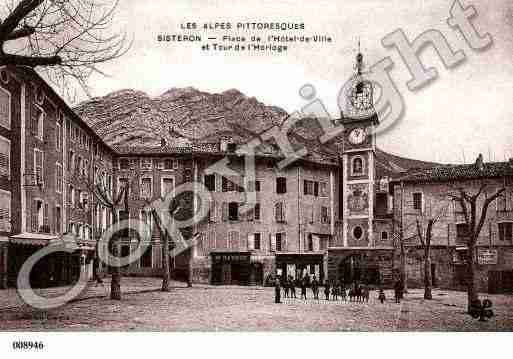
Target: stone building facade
[(44, 191), (424, 194), (336, 213)]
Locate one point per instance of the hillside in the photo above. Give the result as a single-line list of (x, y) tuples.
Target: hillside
[(132, 119)]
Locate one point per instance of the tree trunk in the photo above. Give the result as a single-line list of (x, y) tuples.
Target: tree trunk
[(96, 263), (471, 283), (402, 271), (165, 262), (189, 266), (427, 275), (115, 283)]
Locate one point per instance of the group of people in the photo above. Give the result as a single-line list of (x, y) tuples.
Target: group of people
[(334, 289)]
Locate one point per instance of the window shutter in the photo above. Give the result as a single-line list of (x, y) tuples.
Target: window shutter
[(224, 184), (283, 211), (45, 215), (251, 214), (5, 209), (225, 211), (212, 211), (316, 243), (316, 189), (34, 216), (272, 242), (251, 241)]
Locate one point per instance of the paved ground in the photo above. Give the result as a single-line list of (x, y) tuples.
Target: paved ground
[(234, 308)]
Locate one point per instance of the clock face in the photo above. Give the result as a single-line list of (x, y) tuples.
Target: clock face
[(357, 136)]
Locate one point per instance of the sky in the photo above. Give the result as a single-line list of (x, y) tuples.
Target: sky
[(467, 110)]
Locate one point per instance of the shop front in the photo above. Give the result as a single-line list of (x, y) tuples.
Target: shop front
[(55, 269), (299, 265), (231, 268)]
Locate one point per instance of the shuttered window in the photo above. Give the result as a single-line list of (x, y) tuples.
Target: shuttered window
[(5, 211), (256, 240), (279, 212), (233, 239), (505, 231), (212, 211), (38, 166), (256, 211), (38, 117), (167, 186), (325, 216), (224, 211), (58, 178), (58, 137), (5, 109), (280, 242), (146, 188), (5, 157)]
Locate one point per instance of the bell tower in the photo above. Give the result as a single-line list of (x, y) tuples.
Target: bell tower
[(359, 119)]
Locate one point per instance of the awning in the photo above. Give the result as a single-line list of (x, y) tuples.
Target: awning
[(39, 239), (35, 239)]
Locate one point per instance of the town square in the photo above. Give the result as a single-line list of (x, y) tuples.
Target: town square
[(256, 172)]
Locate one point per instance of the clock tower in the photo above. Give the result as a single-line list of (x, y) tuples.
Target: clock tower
[(359, 119)]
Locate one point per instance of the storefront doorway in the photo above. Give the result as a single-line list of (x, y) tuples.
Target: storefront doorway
[(231, 268)]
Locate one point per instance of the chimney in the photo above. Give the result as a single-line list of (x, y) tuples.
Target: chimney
[(479, 162)]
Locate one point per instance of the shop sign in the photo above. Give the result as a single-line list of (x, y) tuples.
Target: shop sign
[(487, 256)]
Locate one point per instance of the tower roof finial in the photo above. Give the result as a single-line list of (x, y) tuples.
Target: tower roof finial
[(359, 60)]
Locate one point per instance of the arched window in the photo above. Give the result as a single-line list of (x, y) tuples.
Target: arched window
[(357, 166)]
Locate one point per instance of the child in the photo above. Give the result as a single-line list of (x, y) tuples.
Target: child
[(327, 290), (381, 295)]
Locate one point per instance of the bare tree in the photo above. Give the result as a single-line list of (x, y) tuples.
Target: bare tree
[(474, 219), (66, 39), (164, 234), (102, 194), (425, 238)]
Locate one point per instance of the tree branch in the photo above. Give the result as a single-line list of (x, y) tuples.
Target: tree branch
[(20, 33), (419, 232), (24, 8), (484, 209), (31, 61)]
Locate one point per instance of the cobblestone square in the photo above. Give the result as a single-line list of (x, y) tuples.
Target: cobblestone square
[(238, 308)]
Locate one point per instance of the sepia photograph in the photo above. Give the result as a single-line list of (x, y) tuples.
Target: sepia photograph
[(231, 170)]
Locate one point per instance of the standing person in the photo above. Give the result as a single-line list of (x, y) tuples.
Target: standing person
[(327, 289), (381, 295), (277, 290), (285, 287), (292, 286), (398, 288), (303, 288), (334, 291), (315, 287), (342, 291)]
